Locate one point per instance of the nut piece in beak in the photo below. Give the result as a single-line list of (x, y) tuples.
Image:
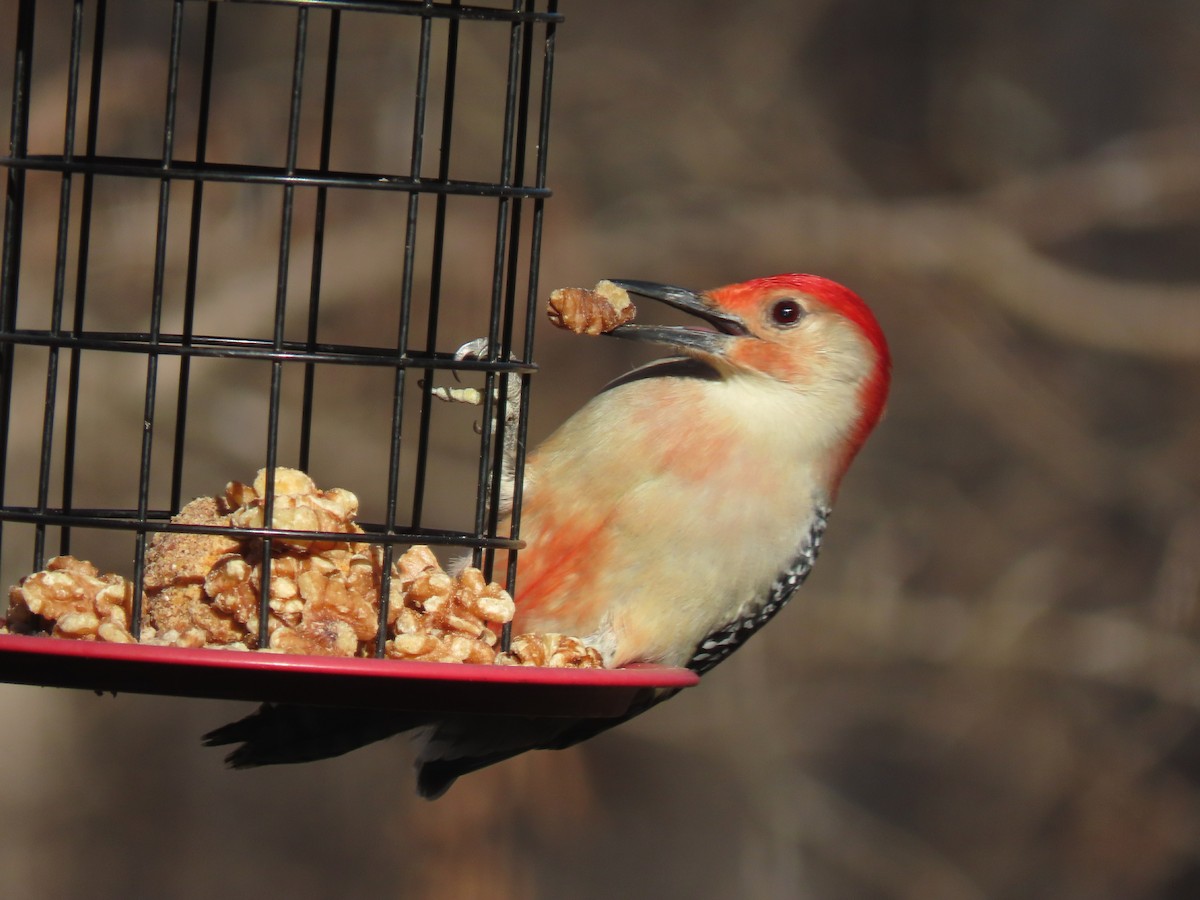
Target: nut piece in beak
[(591, 311)]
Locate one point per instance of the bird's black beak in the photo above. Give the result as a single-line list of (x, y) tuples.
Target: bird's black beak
[(697, 304)]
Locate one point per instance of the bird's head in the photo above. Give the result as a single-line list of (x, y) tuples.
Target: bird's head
[(801, 332)]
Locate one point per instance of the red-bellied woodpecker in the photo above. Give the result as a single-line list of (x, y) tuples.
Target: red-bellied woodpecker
[(666, 521)]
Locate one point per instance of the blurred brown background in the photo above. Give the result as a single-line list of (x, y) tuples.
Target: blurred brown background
[(990, 686)]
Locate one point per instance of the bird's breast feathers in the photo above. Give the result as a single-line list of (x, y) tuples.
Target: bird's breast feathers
[(631, 543)]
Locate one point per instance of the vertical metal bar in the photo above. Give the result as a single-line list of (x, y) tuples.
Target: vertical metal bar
[(160, 264), (60, 279), (285, 244), (318, 253), (435, 284), (520, 142), (532, 297), (486, 488), (14, 220), (193, 262), (406, 288), (510, 288), (74, 373)]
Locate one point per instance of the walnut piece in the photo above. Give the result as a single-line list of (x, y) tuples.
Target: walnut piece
[(338, 613), (591, 310), (298, 505), (555, 650), (323, 593), (71, 599), (435, 617)]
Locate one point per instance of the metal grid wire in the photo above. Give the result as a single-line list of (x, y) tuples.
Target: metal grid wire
[(55, 331)]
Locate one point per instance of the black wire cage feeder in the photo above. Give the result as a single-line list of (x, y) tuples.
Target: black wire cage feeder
[(249, 235)]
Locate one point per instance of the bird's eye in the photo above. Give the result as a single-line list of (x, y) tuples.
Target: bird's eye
[(787, 311)]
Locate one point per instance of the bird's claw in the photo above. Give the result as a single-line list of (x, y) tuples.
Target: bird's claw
[(476, 349)]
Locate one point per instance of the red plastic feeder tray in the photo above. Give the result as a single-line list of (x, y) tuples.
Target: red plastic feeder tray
[(331, 681)]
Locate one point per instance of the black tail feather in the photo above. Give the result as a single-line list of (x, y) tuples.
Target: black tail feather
[(277, 734), (463, 745)]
